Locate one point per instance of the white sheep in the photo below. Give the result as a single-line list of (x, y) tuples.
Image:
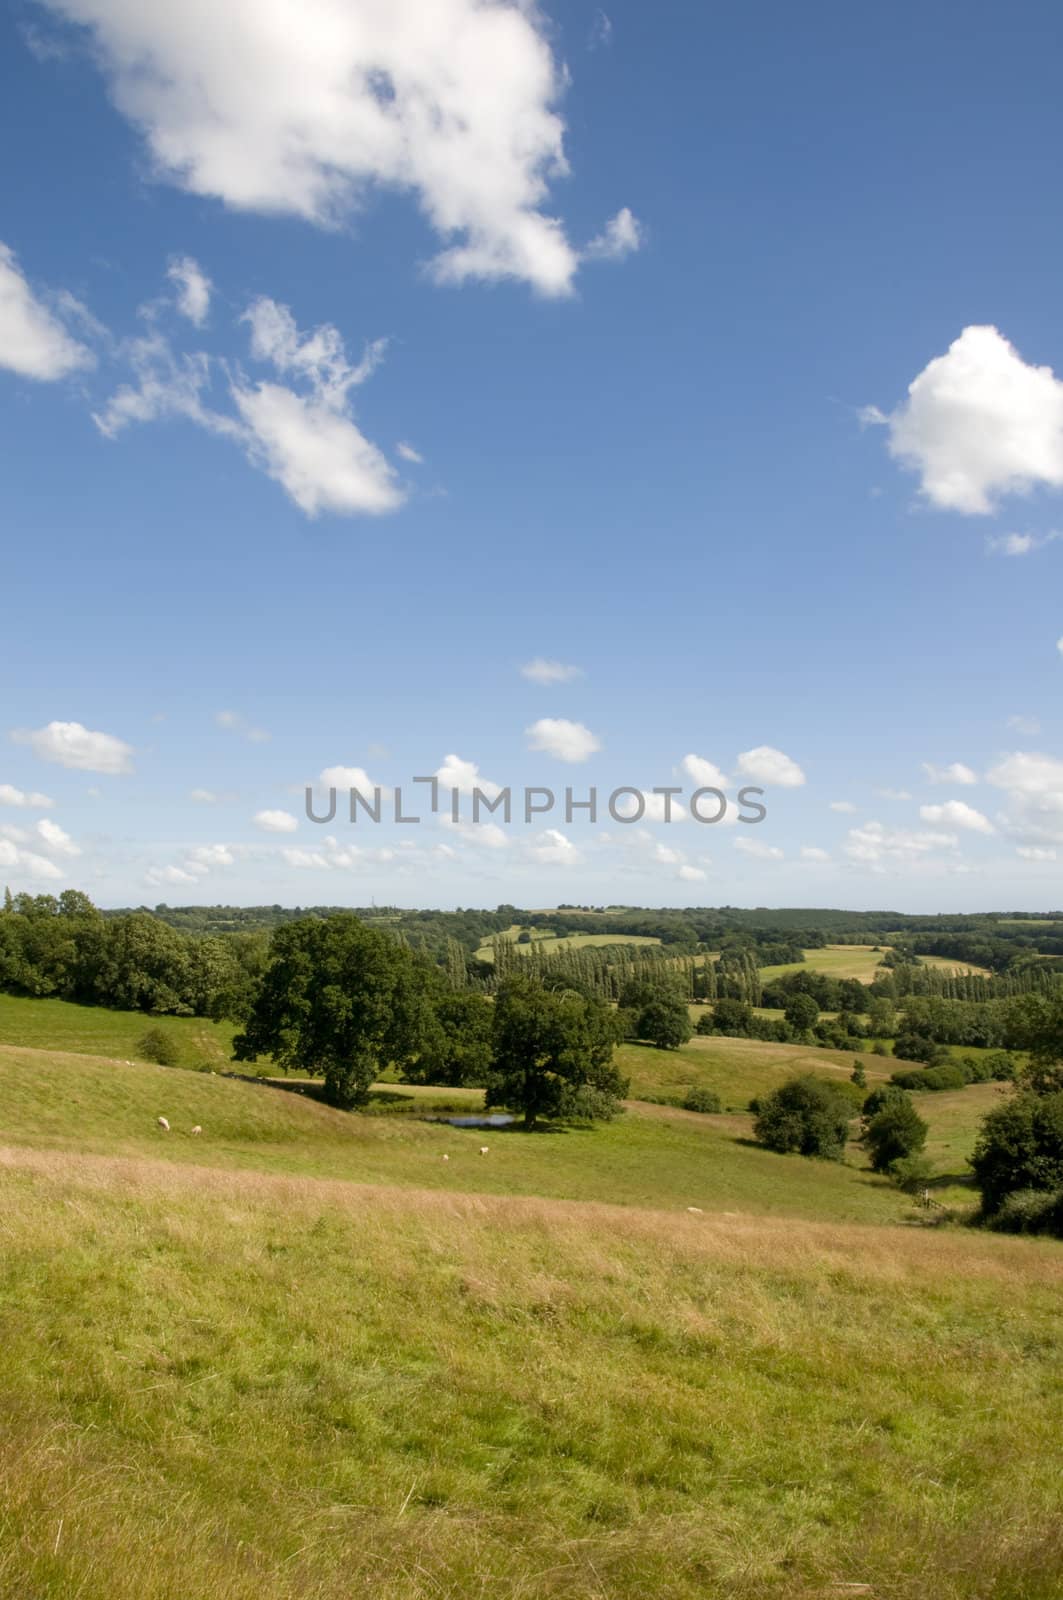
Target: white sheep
[(446, 1158), (696, 1210), (484, 1149), (164, 1125), (197, 1129)]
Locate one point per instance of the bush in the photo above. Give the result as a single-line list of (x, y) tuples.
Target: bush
[(912, 1173), (893, 1133), (805, 1115), (879, 1049), (917, 1047), (159, 1046), (879, 1098), (706, 1100), (732, 1017), (705, 1023), (589, 1104), (1031, 1211), (1020, 1147), (931, 1078)]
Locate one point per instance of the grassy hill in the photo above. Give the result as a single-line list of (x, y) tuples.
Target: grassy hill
[(95, 1030), (571, 941), (231, 1383)]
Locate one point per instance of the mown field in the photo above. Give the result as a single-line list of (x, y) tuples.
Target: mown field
[(543, 937)]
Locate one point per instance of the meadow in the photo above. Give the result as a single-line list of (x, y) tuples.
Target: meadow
[(571, 941), (302, 1356)]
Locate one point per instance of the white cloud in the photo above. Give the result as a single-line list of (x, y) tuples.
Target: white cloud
[(1030, 726), (160, 875), (465, 777), (893, 794), (312, 859), (758, 850), (842, 805), (601, 33), (234, 722), (543, 671), (27, 862), (956, 773), (307, 441), (33, 342), (704, 773), (68, 744), (56, 839), (688, 874), (1034, 788), (1030, 852), (205, 857), (204, 797), (874, 844), (304, 107), (193, 289), (811, 852), (655, 807), (348, 778), (486, 834), (275, 821), (979, 423), (31, 800), (769, 766), (568, 741), (552, 848), (955, 814), (408, 453), (621, 236), (318, 456), (1020, 544)]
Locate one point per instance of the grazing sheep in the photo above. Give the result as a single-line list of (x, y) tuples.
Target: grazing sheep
[(197, 1129), (164, 1125), (446, 1158), (697, 1210), (484, 1149)]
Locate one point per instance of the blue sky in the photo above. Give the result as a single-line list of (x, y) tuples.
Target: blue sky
[(350, 367)]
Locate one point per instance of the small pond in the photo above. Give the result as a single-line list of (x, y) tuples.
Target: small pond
[(498, 1120)]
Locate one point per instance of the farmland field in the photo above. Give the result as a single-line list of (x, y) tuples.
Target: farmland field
[(572, 941)]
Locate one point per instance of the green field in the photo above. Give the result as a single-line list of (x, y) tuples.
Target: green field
[(94, 1030), (860, 961), (737, 1069), (301, 1355), (572, 941)]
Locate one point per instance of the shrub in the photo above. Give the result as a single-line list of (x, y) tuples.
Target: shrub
[(917, 1047), (1020, 1147), (946, 1077), (878, 1098), (590, 1104), (912, 1173), (858, 1074), (705, 1023), (732, 1017), (805, 1115), (1031, 1211), (879, 1049), (1000, 1066), (893, 1133), (159, 1046), (706, 1100)]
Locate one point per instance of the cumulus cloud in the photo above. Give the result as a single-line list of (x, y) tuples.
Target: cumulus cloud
[(543, 671), (552, 848), (205, 857), (1032, 852), (893, 794), (1033, 785), (568, 741), (408, 453), (1030, 726), (56, 839), (704, 773), (193, 289), (1019, 544), (305, 107), (305, 438), (874, 845), (654, 807), (978, 424), (758, 850), (769, 766), (689, 874), (956, 814), (33, 341), (348, 778), (465, 776), (955, 773), (27, 863), (845, 806), (621, 236), (275, 821), (811, 852), (29, 799), (69, 744), (164, 875)]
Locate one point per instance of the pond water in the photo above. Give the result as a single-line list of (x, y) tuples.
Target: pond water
[(498, 1120)]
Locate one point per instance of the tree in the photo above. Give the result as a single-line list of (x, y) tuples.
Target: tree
[(341, 999), (858, 1074), (664, 1022), (458, 1048), (547, 1047), (1020, 1146), (732, 1016), (802, 1013), (895, 1132), (805, 1115), (1035, 1023), (917, 1047)]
